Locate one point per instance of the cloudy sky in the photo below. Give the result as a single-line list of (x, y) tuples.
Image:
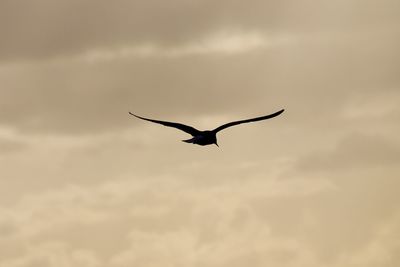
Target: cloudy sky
[(84, 184)]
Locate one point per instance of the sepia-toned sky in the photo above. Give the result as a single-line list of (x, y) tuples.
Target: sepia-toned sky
[(83, 184)]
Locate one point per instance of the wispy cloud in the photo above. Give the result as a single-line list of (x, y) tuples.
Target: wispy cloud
[(225, 43)]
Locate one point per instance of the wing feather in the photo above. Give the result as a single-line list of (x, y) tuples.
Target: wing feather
[(187, 129), (233, 123)]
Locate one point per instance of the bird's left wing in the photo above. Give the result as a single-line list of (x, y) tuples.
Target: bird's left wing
[(233, 123), (188, 129)]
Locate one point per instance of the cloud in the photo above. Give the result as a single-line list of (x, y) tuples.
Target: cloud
[(7, 146), (381, 250), (53, 254), (354, 152), (45, 29), (76, 96), (99, 24), (9, 142), (157, 221), (59, 103), (224, 43), (83, 183), (148, 212)]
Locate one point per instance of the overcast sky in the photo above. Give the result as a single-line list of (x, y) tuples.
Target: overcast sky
[(84, 184)]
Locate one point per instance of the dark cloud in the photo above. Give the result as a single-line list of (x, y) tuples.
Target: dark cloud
[(75, 96), (46, 28), (161, 88), (333, 49)]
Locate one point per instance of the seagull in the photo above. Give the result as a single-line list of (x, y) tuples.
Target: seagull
[(208, 137)]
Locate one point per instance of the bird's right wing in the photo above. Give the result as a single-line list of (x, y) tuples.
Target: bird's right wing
[(187, 129), (233, 123)]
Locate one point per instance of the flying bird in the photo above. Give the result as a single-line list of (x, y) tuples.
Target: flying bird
[(204, 138)]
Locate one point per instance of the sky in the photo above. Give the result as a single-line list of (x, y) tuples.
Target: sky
[(83, 183)]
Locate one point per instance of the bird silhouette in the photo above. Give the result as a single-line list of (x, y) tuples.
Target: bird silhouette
[(204, 138)]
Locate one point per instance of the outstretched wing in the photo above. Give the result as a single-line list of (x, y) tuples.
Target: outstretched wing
[(188, 129), (233, 123)]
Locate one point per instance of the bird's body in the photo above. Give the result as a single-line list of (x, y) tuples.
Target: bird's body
[(204, 138)]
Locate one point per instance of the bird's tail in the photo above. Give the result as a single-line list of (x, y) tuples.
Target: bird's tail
[(191, 140)]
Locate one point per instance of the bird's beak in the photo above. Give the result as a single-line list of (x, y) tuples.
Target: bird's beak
[(216, 144)]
